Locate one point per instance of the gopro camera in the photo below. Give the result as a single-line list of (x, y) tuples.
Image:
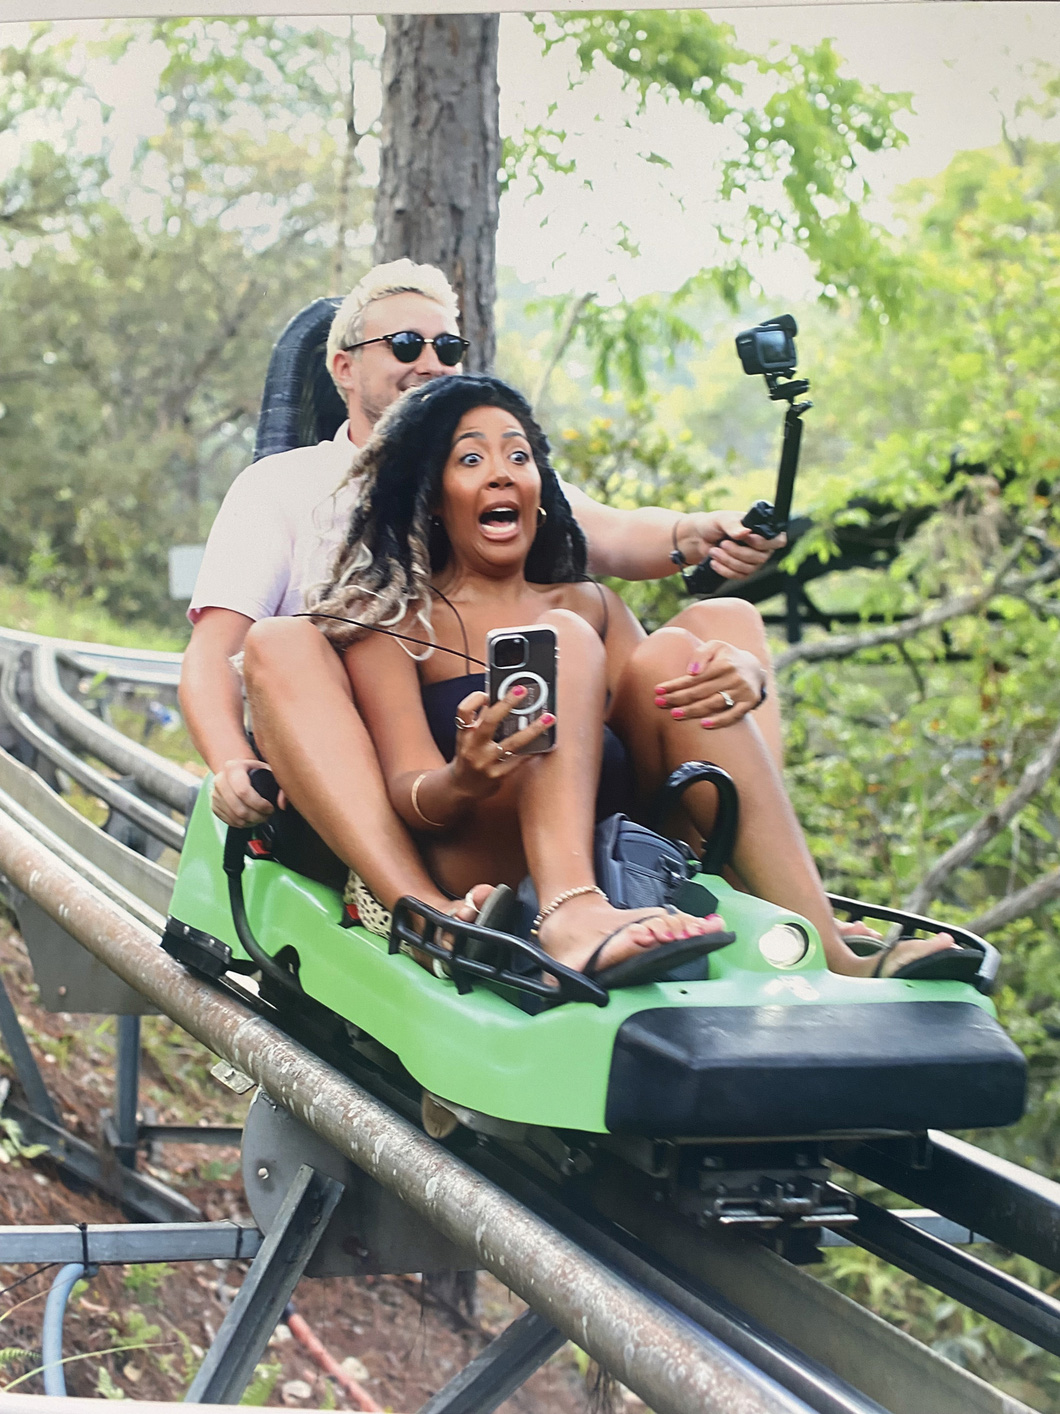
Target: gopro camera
[(769, 347)]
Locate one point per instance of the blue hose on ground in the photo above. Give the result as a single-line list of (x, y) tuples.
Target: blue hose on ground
[(51, 1345)]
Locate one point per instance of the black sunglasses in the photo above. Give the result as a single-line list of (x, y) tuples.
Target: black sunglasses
[(408, 345)]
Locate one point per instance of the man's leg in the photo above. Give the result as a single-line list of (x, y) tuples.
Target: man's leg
[(312, 736)]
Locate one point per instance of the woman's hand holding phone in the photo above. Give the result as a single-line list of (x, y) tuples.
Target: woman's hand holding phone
[(481, 763)]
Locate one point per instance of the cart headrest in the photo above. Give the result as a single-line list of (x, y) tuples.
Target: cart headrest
[(300, 405)]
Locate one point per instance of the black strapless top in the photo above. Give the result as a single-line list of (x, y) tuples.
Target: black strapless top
[(441, 699)]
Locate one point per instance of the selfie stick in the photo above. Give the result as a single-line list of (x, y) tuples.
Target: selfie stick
[(765, 518)]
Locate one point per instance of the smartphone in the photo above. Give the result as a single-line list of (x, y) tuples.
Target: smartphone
[(523, 657)]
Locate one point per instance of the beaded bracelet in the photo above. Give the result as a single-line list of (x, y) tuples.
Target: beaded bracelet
[(550, 908)]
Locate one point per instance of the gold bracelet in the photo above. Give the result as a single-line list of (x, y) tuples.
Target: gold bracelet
[(550, 908), (434, 824)]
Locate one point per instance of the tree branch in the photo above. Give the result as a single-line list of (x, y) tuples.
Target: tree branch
[(342, 199), (1017, 905), (958, 606), (985, 828), (566, 333)]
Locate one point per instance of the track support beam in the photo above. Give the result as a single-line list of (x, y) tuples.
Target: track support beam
[(499, 1370), (266, 1289)]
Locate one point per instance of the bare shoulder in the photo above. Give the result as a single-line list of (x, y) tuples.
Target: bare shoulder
[(591, 600)]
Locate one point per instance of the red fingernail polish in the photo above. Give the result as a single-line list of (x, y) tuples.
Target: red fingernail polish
[(518, 691), (660, 700), (677, 712), (707, 722), (693, 668), (547, 718)]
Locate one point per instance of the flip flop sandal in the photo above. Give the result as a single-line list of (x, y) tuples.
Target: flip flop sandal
[(498, 909), (943, 965), (498, 906), (499, 912), (863, 944), (654, 964)]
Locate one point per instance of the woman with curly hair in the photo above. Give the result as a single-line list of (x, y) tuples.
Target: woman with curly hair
[(462, 528)]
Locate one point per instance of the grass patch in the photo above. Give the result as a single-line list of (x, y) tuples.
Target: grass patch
[(36, 611)]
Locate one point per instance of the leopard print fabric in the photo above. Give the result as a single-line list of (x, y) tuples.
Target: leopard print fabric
[(357, 895)]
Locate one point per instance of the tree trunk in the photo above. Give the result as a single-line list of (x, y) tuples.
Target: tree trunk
[(437, 195)]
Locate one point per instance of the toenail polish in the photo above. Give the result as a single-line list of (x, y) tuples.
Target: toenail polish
[(677, 713)]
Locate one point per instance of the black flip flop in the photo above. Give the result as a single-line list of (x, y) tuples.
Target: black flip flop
[(943, 965), (500, 912), (654, 964)]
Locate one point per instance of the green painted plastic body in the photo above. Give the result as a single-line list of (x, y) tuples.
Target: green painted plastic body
[(480, 1050)]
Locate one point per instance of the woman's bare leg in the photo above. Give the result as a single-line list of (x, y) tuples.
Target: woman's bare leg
[(312, 736), (771, 855), (738, 623), (549, 805)]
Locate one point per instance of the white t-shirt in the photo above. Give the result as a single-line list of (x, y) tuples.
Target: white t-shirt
[(277, 531)]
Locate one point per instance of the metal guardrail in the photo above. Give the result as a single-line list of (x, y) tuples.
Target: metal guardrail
[(162, 827), (162, 779), (133, 881), (133, 665)]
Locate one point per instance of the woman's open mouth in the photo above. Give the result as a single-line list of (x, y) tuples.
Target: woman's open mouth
[(500, 523)]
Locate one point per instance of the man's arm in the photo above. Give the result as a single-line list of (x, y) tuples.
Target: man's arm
[(637, 544), (211, 699)]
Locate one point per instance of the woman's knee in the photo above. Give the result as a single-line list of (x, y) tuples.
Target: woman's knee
[(664, 653), (574, 633), (730, 620), (276, 648)]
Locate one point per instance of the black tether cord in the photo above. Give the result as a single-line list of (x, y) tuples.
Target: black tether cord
[(236, 841), (391, 633), (28, 1277)]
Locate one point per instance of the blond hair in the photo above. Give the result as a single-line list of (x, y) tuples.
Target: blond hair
[(396, 277)]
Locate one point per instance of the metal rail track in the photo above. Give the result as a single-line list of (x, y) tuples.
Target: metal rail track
[(763, 1333)]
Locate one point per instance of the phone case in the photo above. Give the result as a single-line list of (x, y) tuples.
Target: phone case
[(536, 672)]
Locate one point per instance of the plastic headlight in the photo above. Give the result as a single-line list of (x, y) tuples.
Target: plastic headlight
[(784, 945)]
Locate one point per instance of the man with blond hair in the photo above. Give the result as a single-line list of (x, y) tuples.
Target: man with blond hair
[(275, 537)]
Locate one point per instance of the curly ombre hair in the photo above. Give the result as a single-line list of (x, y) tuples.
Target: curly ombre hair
[(395, 541)]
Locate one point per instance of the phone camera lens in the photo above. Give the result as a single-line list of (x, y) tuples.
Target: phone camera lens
[(510, 652)]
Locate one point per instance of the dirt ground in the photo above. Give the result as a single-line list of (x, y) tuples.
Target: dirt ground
[(140, 1332)]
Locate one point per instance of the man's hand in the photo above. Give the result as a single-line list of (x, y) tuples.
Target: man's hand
[(722, 685), (234, 799), (720, 537)]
